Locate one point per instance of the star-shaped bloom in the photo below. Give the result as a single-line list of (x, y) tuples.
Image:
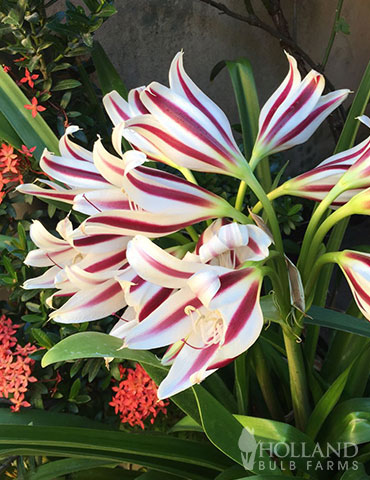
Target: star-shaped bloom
[(34, 107)]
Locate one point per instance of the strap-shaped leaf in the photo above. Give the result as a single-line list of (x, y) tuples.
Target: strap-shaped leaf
[(32, 131), (108, 76), (324, 317)]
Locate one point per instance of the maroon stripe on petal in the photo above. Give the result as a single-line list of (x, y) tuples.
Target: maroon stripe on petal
[(74, 172), (140, 225), (357, 286), (308, 120), (104, 295), (204, 355), (193, 99), (170, 193), (277, 102), (293, 109), (186, 121), (107, 262), (139, 104), (154, 303), (164, 268), (170, 320), (243, 313), (67, 197), (358, 257), (73, 152), (179, 146), (119, 110), (228, 280), (93, 240)]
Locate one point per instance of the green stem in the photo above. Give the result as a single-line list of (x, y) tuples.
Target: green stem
[(298, 379), (306, 248), (266, 384), (240, 195), (193, 233), (278, 192), (188, 174), (332, 34)]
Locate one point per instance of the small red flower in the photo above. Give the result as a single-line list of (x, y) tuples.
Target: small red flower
[(34, 107), (136, 397), (15, 365), (7, 153), (28, 152), (6, 68), (28, 78)]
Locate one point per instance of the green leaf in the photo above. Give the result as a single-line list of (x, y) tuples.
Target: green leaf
[(349, 422), (66, 85), (224, 431), (327, 403), (58, 468), (325, 317), (342, 26), (75, 389), (109, 78), (42, 338), (186, 424), (191, 459), (245, 91), (359, 104), (8, 134), (32, 131), (355, 474)]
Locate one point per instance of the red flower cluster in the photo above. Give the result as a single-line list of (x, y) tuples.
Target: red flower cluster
[(136, 397), (15, 365), (12, 165)]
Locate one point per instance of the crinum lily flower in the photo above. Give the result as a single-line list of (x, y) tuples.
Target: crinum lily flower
[(293, 112), (347, 171), (213, 317), (184, 127), (356, 269)]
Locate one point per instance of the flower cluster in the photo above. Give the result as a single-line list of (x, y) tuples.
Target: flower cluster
[(200, 297), (15, 365), (12, 166), (135, 397)]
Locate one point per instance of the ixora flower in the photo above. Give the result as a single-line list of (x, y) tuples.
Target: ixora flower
[(293, 112), (356, 269), (212, 318), (178, 125)]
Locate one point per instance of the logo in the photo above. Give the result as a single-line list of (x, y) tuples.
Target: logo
[(248, 446), (292, 456)]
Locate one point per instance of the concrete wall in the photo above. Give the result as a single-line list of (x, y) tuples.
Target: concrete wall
[(145, 34)]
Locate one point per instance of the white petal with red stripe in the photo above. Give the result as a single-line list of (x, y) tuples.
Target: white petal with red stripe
[(70, 149), (165, 325), (46, 280), (91, 304), (182, 84), (356, 268), (95, 201), (99, 243), (72, 172), (58, 193), (157, 266), (123, 222)]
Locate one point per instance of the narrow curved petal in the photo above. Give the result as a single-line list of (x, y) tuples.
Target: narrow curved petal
[(46, 280), (122, 222), (95, 201), (189, 368), (107, 261), (108, 165), (60, 194), (100, 243), (155, 191), (45, 240), (91, 304), (157, 266), (182, 84), (70, 149), (72, 172), (356, 269), (116, 107)]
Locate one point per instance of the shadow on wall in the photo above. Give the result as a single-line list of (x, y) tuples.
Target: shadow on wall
[(143, 37)]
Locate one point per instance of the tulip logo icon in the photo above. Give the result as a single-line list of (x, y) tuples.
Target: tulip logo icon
[(248, 446)]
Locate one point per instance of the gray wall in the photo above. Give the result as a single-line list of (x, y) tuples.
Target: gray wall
[(145, 34)]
